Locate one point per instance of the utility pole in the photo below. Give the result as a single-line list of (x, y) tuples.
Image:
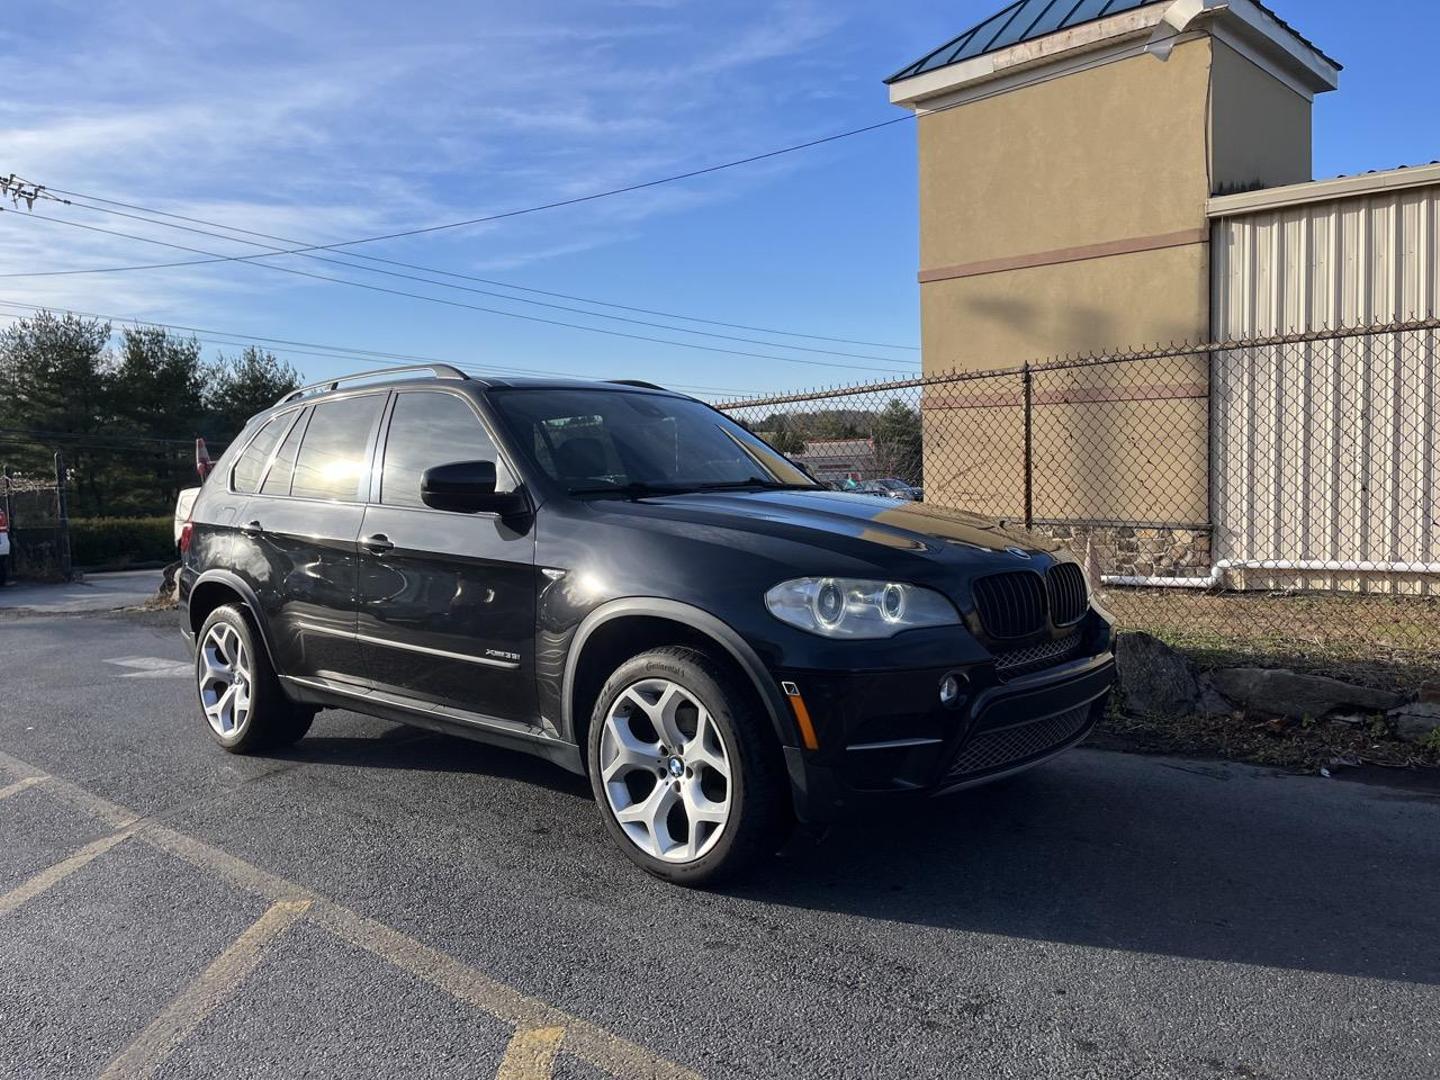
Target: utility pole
[(62, 511)]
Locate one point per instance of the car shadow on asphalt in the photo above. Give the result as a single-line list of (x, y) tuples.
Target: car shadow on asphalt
[(1100, 849), (1143, 855), (414, 749)]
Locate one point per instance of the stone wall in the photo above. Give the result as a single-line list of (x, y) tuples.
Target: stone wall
[(1138, 552)]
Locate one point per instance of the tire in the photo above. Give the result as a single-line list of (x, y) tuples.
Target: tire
[(727, 768), (258, 716), (4, 569)]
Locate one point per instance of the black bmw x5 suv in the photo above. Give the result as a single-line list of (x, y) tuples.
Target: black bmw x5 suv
[(627, 582)]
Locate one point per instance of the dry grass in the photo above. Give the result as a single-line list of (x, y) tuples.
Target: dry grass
[(1305, 745), (1378, 641), (1385, 642)]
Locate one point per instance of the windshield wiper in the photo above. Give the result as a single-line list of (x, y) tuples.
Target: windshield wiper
[(637, 489), (755, 482), (634, 490)]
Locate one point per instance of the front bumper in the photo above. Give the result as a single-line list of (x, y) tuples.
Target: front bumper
[(885, 736)]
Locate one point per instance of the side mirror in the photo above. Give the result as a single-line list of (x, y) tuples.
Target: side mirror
[(467, 487)]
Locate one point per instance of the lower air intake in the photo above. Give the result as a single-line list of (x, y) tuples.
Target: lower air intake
[(991, 750)]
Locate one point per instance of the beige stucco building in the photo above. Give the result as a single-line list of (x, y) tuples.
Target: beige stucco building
[(1067, 153)]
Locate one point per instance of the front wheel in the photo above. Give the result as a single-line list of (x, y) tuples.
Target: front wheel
[(685, 769), (239, 694)]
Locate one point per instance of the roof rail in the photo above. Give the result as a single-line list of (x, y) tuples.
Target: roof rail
[(440, 371), (641, 383)]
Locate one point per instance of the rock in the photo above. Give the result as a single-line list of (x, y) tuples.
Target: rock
[(1155, 680), (1277, 692), (168, 585), (1212, 702), (1430, 693), (1416, 721), (167, 596)]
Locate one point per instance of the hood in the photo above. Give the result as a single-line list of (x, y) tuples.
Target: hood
[(876, 529)]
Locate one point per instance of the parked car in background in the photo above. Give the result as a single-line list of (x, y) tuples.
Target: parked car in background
[(890, 488), (183, 505), (4, 547), (625, 581), (185, 502)]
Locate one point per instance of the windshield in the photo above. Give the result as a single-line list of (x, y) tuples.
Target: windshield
[(598, 442)]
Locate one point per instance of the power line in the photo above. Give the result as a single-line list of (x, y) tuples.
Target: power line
[(426, 269), (470, 307), (485, 292), (338, 352), (611, 192), (94, 437)]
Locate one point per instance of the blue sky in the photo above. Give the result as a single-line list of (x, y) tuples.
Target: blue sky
[(326, 121)]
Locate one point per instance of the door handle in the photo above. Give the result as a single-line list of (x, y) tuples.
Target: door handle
[(377, 544), (252, 528)]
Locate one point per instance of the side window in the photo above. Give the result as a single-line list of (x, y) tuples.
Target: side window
[(332, 462), (278, 480), (252, 461), (428, 429)]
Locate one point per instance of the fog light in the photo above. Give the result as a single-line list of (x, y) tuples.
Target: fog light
[(952, 690)]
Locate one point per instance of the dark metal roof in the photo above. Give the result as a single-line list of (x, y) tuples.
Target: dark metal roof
[(1026, 20)]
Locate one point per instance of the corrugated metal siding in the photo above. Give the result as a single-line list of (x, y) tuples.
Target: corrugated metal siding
[(1328, 451)]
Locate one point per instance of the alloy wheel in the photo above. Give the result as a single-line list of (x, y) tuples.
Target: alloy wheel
[(666, 772), (225, 674)]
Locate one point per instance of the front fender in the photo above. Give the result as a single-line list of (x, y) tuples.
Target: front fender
[(718, 631)]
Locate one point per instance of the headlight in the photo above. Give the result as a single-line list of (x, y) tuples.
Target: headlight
[(848, 608)]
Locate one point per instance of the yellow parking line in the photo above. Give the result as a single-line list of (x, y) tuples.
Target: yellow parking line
[(204, 995), (20, 785), (591, 1043), (115, 816), (53, 875), (531, 1054), (587, 1041)]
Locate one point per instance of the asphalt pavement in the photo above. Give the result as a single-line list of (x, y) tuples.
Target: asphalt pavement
[(385, 902), (92, 592)]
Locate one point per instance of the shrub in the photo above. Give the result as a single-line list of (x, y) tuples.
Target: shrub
[(114, 543)]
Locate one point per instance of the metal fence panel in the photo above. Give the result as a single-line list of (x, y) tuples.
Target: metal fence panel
[(1279, 489)]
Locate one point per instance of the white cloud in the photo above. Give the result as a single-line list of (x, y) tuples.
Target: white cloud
[(326, 121)]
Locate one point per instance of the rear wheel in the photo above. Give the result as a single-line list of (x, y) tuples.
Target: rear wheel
[(4, 568), (684, 768), (241, 698)]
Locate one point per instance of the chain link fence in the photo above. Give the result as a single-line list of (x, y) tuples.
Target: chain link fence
[(88, 504), (34, 507), (1271, 496)]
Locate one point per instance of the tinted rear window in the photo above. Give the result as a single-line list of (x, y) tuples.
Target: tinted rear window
[(333, 462), (252, 462), (277, 480)]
